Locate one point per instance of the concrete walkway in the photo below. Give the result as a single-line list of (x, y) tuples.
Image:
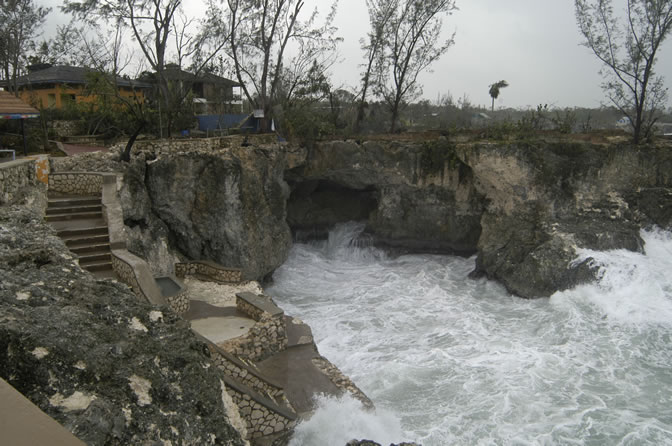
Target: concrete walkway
[(213, 313)]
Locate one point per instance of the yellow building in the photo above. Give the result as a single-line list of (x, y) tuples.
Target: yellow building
[(57, 86)]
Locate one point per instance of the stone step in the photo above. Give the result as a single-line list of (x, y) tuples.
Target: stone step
[(94, 258), (67, 234), (85, 241), (55, 202), (74, 209), (88, 246), (104, 274), (99, 266), (74, 216)]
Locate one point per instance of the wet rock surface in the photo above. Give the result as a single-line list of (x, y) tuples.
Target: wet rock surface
[(546, 200), (525, 207), (109, 368)]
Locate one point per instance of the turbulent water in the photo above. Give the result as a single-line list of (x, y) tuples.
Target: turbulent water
[(451, 361)]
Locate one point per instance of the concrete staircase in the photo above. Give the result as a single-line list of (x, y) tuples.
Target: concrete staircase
[(78, 220)]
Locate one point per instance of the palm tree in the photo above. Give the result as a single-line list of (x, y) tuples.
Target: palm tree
[(494, 91)]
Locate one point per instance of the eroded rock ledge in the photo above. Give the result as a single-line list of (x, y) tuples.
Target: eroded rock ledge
[(108, 367), (523, 207)]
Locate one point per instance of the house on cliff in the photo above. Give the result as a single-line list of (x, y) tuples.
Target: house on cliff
[(210, 94), (47, 86)]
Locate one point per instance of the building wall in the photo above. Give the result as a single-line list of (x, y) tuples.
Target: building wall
[(56, 96)]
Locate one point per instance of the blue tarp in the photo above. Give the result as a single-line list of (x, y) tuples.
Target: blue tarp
[(218, 122)]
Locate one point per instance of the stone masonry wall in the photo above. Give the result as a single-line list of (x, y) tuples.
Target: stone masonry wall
[(126, 275), (179, 303), (80, 183), (210, 270), (158, 146), (267, 337), (246, 375), (15, 177), (64, 128), (261, 421)]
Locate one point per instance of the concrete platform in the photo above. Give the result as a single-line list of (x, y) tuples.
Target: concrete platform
[(213, 313), (218, 324)]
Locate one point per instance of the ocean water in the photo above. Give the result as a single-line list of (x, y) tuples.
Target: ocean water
[(452, 361)]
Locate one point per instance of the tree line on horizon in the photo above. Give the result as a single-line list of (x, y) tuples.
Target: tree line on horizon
[(280, 53)]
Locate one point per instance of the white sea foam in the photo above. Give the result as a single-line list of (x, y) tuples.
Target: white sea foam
[(449, 360), (339, 420)]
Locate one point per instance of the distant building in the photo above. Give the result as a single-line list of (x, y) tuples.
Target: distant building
[(47, 86), (480, 120), (211, 94)]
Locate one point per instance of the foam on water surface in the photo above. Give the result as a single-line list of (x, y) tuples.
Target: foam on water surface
[(450, 360)]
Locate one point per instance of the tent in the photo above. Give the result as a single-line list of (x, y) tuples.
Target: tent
[(12, 107)]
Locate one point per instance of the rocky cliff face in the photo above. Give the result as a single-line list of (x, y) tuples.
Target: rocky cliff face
[(524, 207), (413, 196), (545, 200), (228, 207), (109, 368)]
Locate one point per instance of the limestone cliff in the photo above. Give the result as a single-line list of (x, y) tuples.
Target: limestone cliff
[(110, 368), (228, 207), (546, 199), (414, 196), (524, 207)]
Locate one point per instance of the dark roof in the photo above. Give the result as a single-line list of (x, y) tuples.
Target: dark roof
[(64, 74), (172, 72), (11, 105)]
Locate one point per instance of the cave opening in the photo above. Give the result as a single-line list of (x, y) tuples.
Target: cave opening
[(315, 206)]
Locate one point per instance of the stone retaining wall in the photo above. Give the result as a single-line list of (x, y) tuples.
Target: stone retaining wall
[(267, 337), (15, 178), (245, 374), (134, 272), (76, 183), (87, 162), (209, 270), (125, 273), (262, 418), (179, 303), (158, 146), (63, 128)]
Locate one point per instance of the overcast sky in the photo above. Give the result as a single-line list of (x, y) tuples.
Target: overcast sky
[(532, 44)]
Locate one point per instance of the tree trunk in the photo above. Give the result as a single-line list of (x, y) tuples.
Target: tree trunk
[(395, 116), (126, 155)]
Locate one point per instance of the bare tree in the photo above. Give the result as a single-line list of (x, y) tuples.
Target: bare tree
[(380, 13), (628, 46), (412, 46), (105, 54), (154, 24), (20, 22), (494, 91), (260, 34)]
